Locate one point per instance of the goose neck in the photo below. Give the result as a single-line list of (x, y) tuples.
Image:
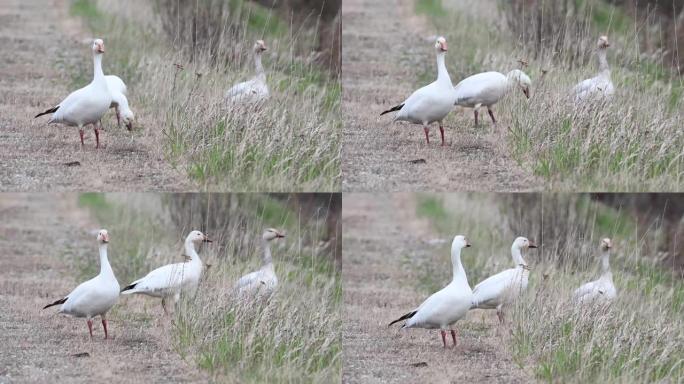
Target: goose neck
[(257, 63), (105, 267), (191, 252), (442, 73), (459, 274), (605, 262), (97, 65), (604, 69), (267, 259), (516, 253)]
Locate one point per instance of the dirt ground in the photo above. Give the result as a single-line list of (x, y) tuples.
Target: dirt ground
[(382, 43), (39, 234), (380, 232), (38, 40)]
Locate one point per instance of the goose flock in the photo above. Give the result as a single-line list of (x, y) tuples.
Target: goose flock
[(433, 102), (88, 105), (98, 295), (445, 307)]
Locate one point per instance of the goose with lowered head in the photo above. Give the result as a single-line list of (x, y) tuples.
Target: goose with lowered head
[(487, 88), (255, 90), (117, 88), (498, 290), (599, 87), (172, 280), (264, 280), (447, 306), (87, 105), (96, 296), (602, 289), (433, 102)]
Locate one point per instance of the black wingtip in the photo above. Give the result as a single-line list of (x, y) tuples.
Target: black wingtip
[(396, 108), (60, 301), (51, 110), (406, 316), (131, 286)]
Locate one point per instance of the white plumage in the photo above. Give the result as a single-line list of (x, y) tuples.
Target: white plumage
[(433, 102), (118, 91), (498, 290), (445, 307), (170, 281), (264, 280), (254, 91), (96, 296), (86, 105), (600, 290), (599, 87)]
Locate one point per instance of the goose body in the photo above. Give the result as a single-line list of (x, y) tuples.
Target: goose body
[(602, 289), (448, 305), (86, 105), (171, 280), (502, 288), (431, 103), (264, 280), (599, 87), (255, 90), (96, 296), (117, 89), (487, 88)]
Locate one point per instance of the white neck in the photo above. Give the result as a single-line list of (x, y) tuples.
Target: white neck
[(191, 252), (458, 271), (98, 75), (105, 268), (604, 69), (442, 74), (257, 63), (516, 253), (605, 262), (267, 252)]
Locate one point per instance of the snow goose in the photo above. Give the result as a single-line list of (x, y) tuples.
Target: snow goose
[(96, 296), (253, 91), (498, 290), (598, 87), (601, 290), (117, 89), (432, 102), (171, 280), (447, 306), (487, 88), (86, 105), (264, 280)]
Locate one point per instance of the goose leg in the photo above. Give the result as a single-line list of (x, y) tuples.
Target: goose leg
[(80, 132), (97, 135), (500, 315), (118, 117), (90, 327), (426, 129), (441, 132), (166, 312), (443, 332), (104, 325), (491, 114), (453, 336), (476, 117)]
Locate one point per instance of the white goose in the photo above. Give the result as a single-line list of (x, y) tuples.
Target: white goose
[(498, 290), (117, 88), (264, 280), (96, 296), (253, 91), (433, 102), (487, 88), (88, 104), (447, 306), (171, 280), (598, 87), (601, 290)]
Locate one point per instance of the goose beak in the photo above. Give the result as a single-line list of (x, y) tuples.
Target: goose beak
[(207, 239), (443, 46), (467, 244), (526, 91), (280, 235), (129, 125), (532, 245)]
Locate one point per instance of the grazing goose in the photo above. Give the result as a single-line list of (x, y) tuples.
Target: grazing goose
[(263, 280), (498, 290), (253, 91), (432, 102), (171, 280), (598, 87), (88, 104), (487, 88), (117, 88), (601, 290), (96, 296), (447, 306)]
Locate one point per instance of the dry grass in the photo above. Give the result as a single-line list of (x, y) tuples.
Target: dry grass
[(640, 338), (293, 336), (633, 143), (291, 144)]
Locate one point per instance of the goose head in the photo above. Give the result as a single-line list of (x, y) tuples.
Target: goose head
[(103, 236), (271, 234), (521, 80), (606, 244), (127, 116), (441, 44), (460, 241), (197, 237), (523, 243), (259, 46), (603, 42), (98, 46)]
